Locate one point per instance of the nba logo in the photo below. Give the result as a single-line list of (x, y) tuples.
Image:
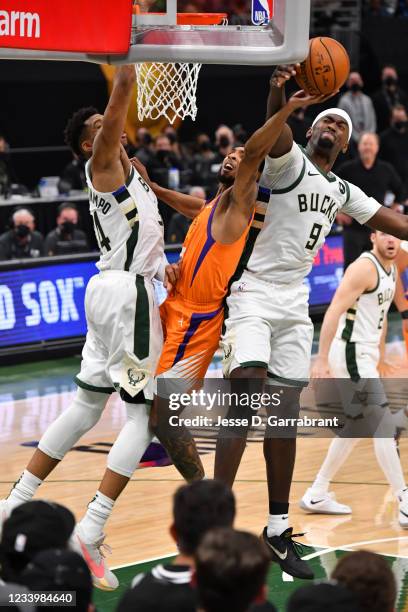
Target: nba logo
[(262, 11)]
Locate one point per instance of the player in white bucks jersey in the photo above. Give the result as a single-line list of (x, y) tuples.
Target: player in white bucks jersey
[(349, 347), (124, 336), (268, 332)]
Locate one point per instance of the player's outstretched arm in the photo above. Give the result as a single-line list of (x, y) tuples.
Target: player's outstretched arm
[(391, 222), (106, 149), (186, 205), (359, 277), (276, 100), (228, 227)]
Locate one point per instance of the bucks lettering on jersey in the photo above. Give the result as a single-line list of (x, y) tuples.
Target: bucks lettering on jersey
[(128, 227), (296, 206), (364, 321)]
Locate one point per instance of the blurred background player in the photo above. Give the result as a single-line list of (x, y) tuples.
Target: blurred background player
[(268, 330), (349, 347)]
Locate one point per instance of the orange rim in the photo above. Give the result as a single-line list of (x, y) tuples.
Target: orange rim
[(191, 18)]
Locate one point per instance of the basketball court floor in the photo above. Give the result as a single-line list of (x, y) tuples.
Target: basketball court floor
[(33, 395)]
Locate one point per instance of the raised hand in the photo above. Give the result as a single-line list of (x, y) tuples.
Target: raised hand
[(302, 98), (283, 73)]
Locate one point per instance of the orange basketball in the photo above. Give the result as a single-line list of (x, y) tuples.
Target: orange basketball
[(325, 69)]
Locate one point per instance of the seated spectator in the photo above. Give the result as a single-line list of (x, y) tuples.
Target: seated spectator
[(224, 140), (322, 597), (231, 569), (60, 570), (22, 241), (31, 528), (73, 176), (387, 97), (369, 577), (205, 164), (179, 224), (66, 238), (240, 135), (163, 159), (359, 106), (197, 507), (144, 146), (394, 144), (375, 178)]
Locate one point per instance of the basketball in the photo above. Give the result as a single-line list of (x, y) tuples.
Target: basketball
[(325, 69)]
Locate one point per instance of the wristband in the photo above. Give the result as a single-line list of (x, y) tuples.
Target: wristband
[(404, 314)]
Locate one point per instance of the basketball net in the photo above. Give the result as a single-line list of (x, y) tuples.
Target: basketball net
[(167, 89)]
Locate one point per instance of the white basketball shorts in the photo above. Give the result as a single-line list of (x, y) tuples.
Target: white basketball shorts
[(268, 325), (124, 338)]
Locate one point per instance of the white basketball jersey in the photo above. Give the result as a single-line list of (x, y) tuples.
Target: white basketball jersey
[(128, 226), (364, 321), (296, 206)]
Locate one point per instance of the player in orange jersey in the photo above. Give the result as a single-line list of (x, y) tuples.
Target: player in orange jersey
[(193, 313)]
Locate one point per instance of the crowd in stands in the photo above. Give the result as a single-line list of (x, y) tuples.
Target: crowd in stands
[(217, 567)]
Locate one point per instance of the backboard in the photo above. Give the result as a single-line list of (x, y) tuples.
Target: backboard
[(259, 32)]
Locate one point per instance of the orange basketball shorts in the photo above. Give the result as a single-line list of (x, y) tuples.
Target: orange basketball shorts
[(191, 337)]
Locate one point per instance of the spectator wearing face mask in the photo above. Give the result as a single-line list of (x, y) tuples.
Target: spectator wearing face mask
[(205, 165), (144, 146), (387, 97), (394, 144), (66, 238), (299, 123), (224, 140), (22, 241), (359, 106)]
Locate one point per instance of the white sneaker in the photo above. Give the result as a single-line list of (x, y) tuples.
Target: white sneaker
[(93, 553), (403, 509), (5, 511), (324, 503)]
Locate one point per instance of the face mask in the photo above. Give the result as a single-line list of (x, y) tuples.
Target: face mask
[(172, 138), (355, 87), (205, 146), (224, 142), (400, 125), (22, 231), (67, 227), (390, 81), (147, 139)]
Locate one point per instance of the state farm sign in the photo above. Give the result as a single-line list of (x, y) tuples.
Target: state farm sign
[(88, 26)]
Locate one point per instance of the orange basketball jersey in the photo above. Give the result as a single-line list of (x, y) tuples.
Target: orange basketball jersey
[(207, 265), (192, 316)]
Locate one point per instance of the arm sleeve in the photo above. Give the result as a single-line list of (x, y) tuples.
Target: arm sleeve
[(280, 172), (358, 205)]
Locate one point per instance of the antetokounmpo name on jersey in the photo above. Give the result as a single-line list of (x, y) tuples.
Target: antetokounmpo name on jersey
[(101, 204), (317, 202)]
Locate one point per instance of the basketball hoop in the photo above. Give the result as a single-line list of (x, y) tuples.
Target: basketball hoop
[(169, 89)]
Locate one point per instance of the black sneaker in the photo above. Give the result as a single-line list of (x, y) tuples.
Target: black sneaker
[(285, 551)]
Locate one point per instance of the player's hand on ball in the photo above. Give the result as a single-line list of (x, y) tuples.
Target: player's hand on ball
[(320, 368), (283, 73), (303, 98), (171, 276)]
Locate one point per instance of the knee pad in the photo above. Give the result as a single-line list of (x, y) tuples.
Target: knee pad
[(81, 415)]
